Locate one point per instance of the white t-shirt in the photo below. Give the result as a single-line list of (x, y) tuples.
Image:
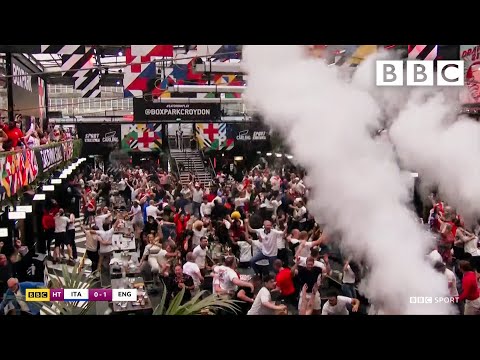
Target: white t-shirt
[(152, 211), (452, 278), (100, 219), (106, 236), (137, 214), (256, 247), (200, 255), (257, 307), (225, 277), (471, 247), (348, 276), (197, 195), (319, 264), (435, 257), (280, 242), (339, 309), (269, 241), (245, 251), (192, 269), (197, 235), (206, 209), (300, 214), (275, 183), (71, 224), (305, 252), (122, 185), (61, 223)]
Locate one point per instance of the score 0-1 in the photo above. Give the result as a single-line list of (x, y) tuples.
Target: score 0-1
[(100, 294)]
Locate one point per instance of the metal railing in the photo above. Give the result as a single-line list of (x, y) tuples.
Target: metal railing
[(27, 165)]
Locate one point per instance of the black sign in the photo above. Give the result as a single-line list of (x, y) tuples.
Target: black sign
[(149, 111), (27, 90), (251, 132), (49, 158), (98, 138)]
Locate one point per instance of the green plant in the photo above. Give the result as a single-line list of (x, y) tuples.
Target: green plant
[(73, 280), (196, 305)]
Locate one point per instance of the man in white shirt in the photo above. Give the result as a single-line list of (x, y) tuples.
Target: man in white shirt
[(200, 253), (106, 247), (434, 256), (300, 214), (337, 305), (152, 210), (197, 198), (61, 223), (100, 219), (206, 208), (263, 304), (226, 280), (192, 269), (450, 277), (268, 238), (198, 234)]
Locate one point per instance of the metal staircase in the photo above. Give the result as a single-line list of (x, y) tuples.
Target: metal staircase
[(192, 163)]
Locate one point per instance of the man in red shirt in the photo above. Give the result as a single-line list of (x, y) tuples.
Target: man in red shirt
[(285, 283), (470, 292), (14, 133)]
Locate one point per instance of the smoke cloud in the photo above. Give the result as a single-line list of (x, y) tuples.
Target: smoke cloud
[(429, 138), (357, 186)]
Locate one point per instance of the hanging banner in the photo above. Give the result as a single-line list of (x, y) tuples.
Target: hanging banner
[(141, 137), (17, 170), (157, 112), (48, 158), (99, 138), (470, 54)]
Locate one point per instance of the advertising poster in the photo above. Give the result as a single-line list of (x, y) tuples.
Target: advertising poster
[(470, 55)]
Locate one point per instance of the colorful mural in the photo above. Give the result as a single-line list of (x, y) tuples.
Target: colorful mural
[(215, 136), (18, 170), (141, 137)]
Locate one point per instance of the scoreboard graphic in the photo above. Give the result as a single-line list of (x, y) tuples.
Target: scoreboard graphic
[(40, 295)]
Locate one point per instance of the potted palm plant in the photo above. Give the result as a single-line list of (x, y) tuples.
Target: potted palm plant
[(69, 280), (196, 306)]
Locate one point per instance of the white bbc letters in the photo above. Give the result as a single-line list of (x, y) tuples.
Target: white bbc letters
[(389, 73), (450, 73), (420, 73)]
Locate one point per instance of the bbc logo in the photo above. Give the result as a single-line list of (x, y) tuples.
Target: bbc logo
[(37, 295), (419, 73), (421, 300)]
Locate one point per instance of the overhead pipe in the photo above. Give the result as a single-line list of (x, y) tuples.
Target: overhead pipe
[(198, 100), (218, 67), (75, 121), (206, 88)]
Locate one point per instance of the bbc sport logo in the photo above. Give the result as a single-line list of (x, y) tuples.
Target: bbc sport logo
[(419, 73), (433, 300)]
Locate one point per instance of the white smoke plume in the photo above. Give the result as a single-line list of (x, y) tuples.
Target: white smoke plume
[(429, 139), (357, 186)]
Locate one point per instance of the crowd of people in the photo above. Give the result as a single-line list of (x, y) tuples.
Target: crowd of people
[(253, 240), (13, 138)]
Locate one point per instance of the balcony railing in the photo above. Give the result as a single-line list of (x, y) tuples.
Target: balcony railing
[(23, 167)]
